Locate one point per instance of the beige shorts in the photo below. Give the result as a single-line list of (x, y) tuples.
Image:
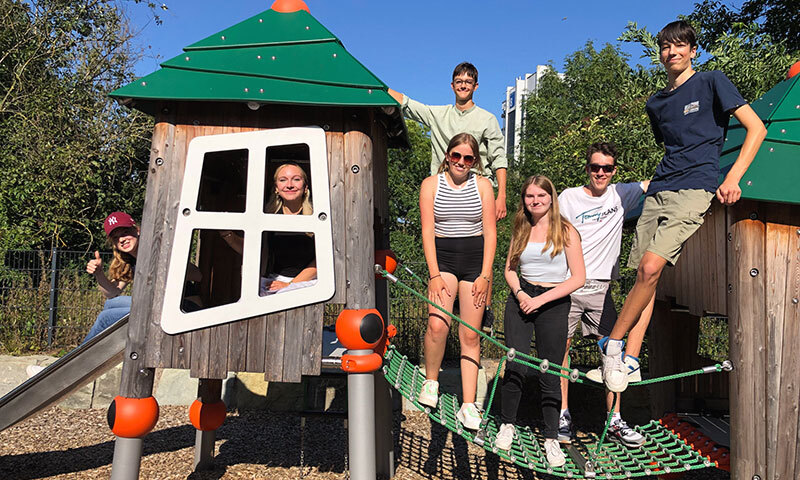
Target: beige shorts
[(668, 219)]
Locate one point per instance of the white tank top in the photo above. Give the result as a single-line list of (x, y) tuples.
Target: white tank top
[(538, 266), (457, 212)]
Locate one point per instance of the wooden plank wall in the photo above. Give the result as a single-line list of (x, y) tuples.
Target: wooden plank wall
[(698, 279), (284, 345), (747, 333)]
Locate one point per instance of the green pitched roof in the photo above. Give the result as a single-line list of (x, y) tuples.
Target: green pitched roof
[(775, 172), (272, 57)]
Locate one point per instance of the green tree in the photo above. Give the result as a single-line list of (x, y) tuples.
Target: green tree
[(69, 155), (407, 170)]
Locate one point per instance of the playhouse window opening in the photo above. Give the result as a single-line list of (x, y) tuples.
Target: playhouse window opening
[(290, 262), (298, 155), (219, 263), (223, 182)]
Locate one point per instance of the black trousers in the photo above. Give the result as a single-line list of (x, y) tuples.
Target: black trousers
[(549, 323)]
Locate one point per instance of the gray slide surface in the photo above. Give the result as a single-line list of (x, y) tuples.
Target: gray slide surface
[(66, 375)]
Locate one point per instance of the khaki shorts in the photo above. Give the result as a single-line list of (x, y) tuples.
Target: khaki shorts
[(668, 219), (592, 307)]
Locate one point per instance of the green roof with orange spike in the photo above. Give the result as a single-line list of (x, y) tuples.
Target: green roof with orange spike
[(283, 55), (775, 170)]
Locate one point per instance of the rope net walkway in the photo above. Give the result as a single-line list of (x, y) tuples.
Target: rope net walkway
[(587, 456)]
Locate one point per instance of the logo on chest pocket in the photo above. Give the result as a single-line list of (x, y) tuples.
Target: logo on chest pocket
[(691, 107)]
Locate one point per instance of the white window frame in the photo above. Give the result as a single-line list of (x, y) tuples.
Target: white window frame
[(253, 221)]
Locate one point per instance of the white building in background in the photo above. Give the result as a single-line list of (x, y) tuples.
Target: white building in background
[(513, 108)]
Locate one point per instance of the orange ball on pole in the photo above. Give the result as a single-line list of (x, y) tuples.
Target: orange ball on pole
[(793, 70), (132, 417), (289, 6), (207, 416)]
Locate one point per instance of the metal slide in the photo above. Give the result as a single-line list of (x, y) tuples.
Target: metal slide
[(66, 375)]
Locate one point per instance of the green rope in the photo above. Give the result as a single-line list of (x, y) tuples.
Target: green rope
[(605, 428), (523, 356), (494, 388)]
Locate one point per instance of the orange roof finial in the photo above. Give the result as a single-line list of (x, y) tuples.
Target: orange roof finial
[(793, 70), (289, 6)]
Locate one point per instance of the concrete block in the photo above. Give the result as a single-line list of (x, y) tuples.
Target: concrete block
[(174, 387), (82, 398), (106, 387)]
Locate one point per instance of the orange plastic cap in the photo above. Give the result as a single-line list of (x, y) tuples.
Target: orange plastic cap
[(793, 70), (387, 260), (132, 417), (207, 416), (360, 329), (289, 6)]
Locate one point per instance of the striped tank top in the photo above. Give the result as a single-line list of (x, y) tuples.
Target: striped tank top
[(457, 212)]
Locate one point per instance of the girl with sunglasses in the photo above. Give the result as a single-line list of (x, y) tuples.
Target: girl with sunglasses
[(459, 238)]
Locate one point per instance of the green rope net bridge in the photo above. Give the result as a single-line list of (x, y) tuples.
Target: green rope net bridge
[(587, 456)]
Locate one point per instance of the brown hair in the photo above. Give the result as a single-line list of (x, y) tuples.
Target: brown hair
[(468, 68), (557, 230), (677, 31), (463, 139), (607, 149)]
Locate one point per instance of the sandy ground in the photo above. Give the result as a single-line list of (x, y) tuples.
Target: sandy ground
[(77, 444)]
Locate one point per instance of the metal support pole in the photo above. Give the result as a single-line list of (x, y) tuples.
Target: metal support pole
[(127, 458), (361, 422), (209, 390), (51, 320)]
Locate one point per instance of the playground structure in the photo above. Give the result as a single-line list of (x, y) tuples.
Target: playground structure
[(264, 81)]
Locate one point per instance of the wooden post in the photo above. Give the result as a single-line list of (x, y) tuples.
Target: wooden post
[(137, 378), (747, 319), (663, 334), (209, 390)]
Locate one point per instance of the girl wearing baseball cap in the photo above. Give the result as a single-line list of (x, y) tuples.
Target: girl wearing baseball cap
[(123, 235)]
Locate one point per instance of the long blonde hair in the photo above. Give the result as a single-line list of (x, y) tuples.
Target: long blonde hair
[(557, 229), (121, 268), (275, 202)]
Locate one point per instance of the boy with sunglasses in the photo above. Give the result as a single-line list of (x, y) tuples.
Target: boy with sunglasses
[(446, 121), (690, 117), (597, 210)]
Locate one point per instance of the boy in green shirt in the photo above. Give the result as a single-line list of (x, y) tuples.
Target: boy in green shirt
[(446, 121)]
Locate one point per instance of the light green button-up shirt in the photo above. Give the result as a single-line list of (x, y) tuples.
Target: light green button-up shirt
[(446, 121)]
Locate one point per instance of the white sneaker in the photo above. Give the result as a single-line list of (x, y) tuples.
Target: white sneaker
[(505, 437), (620, 431), (634, 372), (555, 457), (469, 416), (32, 370), (615, 373), (429, 395)]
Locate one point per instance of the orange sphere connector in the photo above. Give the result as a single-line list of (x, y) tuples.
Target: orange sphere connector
[(360, 329), (289, 6), (132, 417), (387, 260), (793, 70), (207, 416)]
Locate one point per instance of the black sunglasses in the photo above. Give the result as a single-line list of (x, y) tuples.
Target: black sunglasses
[(606, 168), (468, 159)]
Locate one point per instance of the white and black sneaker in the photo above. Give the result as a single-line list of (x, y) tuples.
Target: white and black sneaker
[(565, 428), (620, 431)]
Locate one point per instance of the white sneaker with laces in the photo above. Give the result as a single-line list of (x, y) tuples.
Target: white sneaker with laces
[(615, 373), (429, 394), (33, 370), (555, 456), (469, 416), (620, 431), (634, 372), (505, 437)]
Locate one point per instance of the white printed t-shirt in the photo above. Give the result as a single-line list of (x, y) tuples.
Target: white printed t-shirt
[(599, 221)]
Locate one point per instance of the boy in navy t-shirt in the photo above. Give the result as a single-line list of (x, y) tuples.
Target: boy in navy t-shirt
[(689, 117)]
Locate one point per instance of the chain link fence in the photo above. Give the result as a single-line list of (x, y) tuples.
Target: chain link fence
[(47, 300)]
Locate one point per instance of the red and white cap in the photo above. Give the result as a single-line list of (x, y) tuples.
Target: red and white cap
[(117, 220)]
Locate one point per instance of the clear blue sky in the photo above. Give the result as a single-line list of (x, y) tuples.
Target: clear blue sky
[(413, 45)]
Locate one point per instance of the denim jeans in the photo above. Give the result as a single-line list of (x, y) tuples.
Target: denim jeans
[(113, 310)]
